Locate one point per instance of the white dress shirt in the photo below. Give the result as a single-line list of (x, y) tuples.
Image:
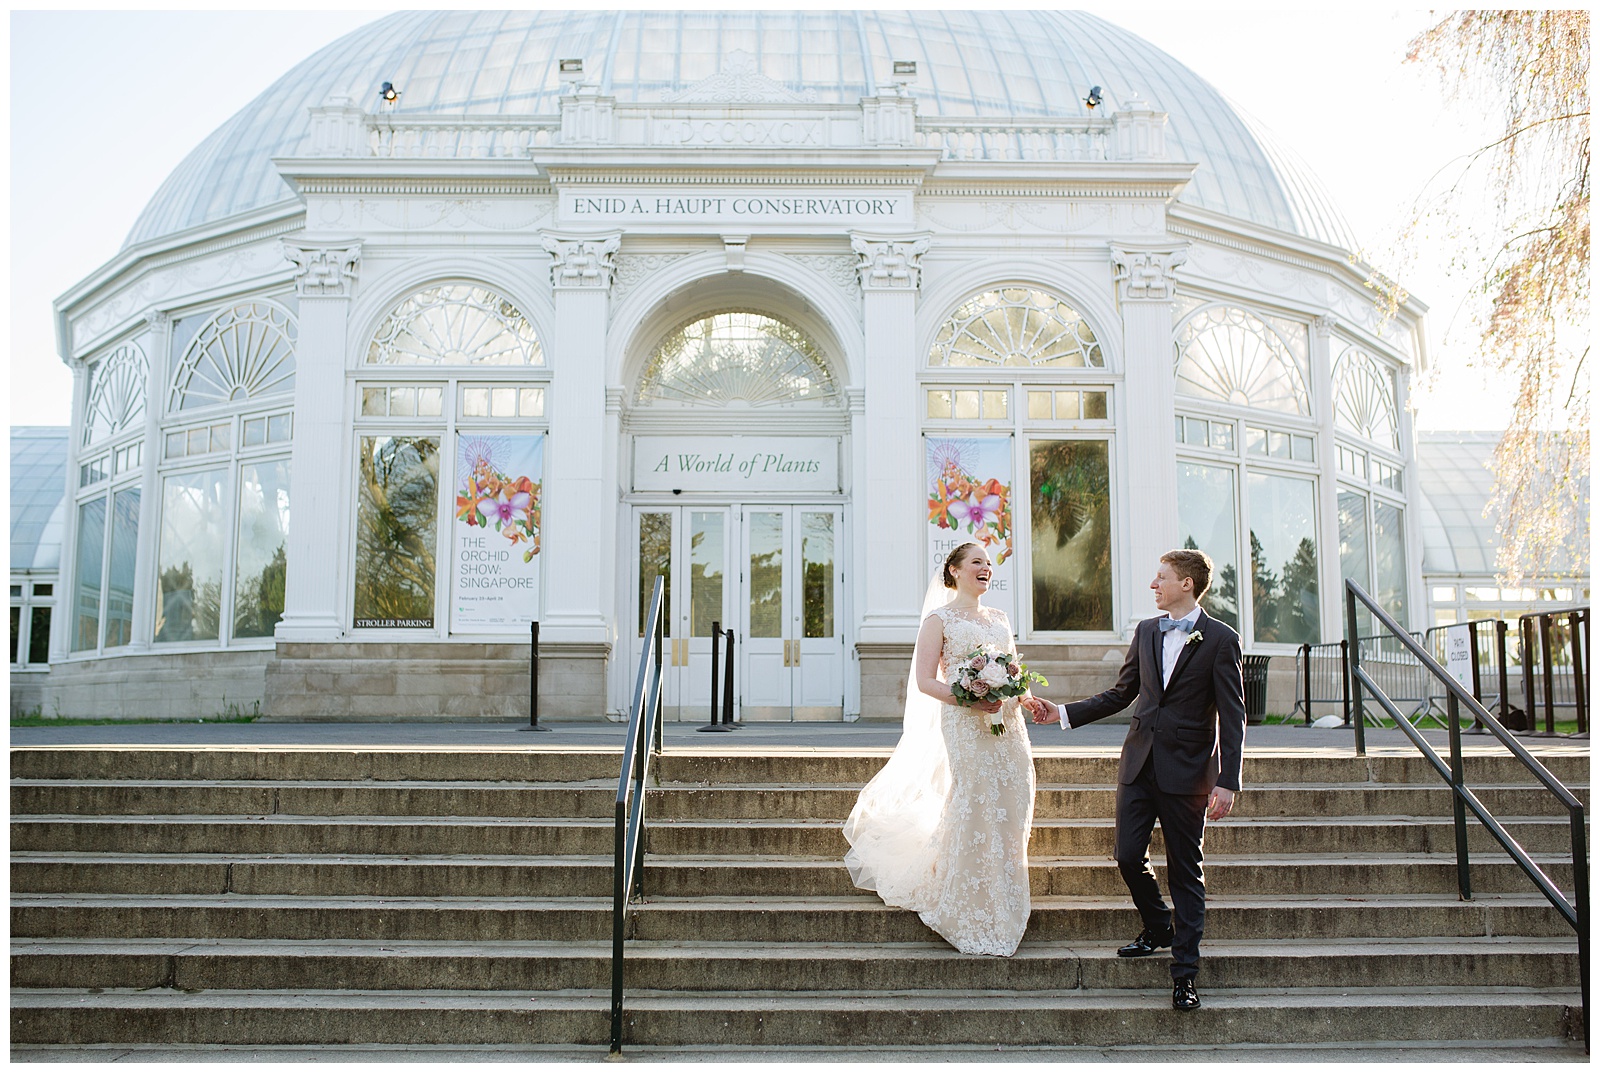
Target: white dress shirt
[(1172, 642)]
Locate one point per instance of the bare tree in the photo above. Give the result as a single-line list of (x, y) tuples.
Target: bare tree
[(1530, 254)]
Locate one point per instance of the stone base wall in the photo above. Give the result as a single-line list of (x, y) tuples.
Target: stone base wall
[(27, 691), (432, 682), (165, 685)]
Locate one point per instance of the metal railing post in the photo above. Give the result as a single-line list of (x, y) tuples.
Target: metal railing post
[(1353, 662), (1305, 656), (1525, 635), (1458, 784), (727, 687), (1505, 673), (1546, 647), (1579, 694), (1344, 677), (1477, 677), (713, 726), (533, 678)]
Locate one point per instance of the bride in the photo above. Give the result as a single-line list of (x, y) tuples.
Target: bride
[(943, 828)]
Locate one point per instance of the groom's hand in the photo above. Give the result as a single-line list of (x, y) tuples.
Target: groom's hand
[(1043, 711), (1221, 803)]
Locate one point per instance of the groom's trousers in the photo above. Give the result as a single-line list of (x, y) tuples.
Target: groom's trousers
[(1140, 804)]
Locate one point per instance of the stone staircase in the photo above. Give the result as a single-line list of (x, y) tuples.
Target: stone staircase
[(275, 898)]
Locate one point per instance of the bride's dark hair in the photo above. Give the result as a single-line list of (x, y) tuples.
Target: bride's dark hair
[(956, 557)]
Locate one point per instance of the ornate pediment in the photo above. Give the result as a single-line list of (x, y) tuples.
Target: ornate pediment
[(740, 82)]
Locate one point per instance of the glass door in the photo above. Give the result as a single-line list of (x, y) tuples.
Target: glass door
[(689, 547), (792, 639)]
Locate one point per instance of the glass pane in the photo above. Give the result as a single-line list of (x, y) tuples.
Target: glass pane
[(503, 402), (1355, 560), (199, 442), (119, 588), (706, 556), (374, 402), (430, 401), (221, 435), (1094, 405), (39, 636), (994, 405), (766, 574), (1038, 406), (816, 553), (175, 441), (1070, 486), (1446, 593), (474, 402), (1068, 407), (402, 402), (16, 630), (1278, 444), (91, 564), (280, 427), (1283, 559), (1195, 431), (1207, 520), (967, 405), (1303, 449), (531, 402), (1222, 436), (260, 564), (47, 590), (255, 429), (655, 560), (1255, 440), (1389, 561), (193, 527), (939, 404), (397, 522)]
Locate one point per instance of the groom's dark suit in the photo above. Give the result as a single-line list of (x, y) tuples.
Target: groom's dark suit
[(1184, 739)]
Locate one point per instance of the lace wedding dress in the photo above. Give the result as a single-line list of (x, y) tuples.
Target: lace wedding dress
[(943, 829)]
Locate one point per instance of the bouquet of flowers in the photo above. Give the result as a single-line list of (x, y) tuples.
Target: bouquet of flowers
[(987, 673)]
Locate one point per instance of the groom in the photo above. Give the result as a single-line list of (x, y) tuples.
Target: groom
[(1181, 760)]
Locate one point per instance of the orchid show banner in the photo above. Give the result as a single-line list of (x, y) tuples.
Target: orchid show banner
[(969, 498), (498, 485)]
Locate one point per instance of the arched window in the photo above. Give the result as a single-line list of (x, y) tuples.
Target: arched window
[(455, 324), (736, 356), (1363, 400), (1016, 326), (116, 393), (1231, 355), (243, 352)]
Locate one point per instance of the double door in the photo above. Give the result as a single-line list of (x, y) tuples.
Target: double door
[(770, 573)]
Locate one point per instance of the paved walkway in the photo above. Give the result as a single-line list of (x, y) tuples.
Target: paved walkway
[(1096, 739)]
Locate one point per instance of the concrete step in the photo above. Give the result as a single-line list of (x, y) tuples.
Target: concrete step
[(815, 838), (813, 767), (735, 969), (131, 797), (861, 918), (765, 1019)]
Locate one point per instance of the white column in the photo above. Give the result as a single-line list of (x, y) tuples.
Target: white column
[(1145, 293), (1330, 576), (65, 614), (1417, 598), (889, 518), (313, 589), (579, 511), (155, 400)]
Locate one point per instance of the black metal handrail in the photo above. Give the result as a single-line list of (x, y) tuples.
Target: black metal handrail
[(644, 739), (1576, 912)]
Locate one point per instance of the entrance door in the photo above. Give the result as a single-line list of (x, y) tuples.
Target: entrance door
[(792, 636), (690, 547)]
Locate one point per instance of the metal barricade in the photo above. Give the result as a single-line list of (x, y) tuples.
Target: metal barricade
[(1321, 678), (1554, 675)]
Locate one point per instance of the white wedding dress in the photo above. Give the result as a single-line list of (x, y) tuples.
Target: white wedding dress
[(943, 828)]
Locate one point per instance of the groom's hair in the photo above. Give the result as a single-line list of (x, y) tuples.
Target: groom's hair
[(1193, 564)]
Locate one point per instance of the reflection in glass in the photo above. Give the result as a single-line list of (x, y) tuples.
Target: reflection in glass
[(1016, 326), (39, 636), (1389, 560), (119, 588), (655, 560), (766, 575), (1070, 485), (397, 521), (260, 566), (706, 556), (193, 527), (91, 556), (1355, 560), (1206, 520), (816, 555), (16, 630), (1283, 559)]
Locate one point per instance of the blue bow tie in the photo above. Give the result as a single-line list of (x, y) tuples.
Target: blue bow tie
[(1165, 624)]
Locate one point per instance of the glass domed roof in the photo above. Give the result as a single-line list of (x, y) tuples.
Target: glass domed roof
[(988, 64)]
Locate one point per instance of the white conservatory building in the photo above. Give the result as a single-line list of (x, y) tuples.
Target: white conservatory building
[(778, 305)]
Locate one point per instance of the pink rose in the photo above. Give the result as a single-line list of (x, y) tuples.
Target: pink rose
[(977, 689), (1013, 670), (978, 662)]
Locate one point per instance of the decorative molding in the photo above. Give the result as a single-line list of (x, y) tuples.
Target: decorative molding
[(615, 398), (324, 270), (740, 81), (1147, 275), (855, 400), (890, 263), (733, 247), (1323, 327), (581, 261), (631, 269), (570, 175), (446, 186)]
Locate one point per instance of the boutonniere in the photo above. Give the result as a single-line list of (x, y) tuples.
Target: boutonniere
[(1194, 638)]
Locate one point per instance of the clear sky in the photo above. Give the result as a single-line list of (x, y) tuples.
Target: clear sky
[(104, 104)]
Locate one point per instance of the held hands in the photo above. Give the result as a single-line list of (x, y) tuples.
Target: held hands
[(1042, 710)]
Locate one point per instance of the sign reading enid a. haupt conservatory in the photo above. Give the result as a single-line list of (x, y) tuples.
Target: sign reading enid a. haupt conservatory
[(820, 207), (735, 464)]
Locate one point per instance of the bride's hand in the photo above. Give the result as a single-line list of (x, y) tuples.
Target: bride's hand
[(988, 707)]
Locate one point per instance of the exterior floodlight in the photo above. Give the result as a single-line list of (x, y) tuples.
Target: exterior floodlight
[(1093, 99), (905, 70), (388, 94), (571, 70)]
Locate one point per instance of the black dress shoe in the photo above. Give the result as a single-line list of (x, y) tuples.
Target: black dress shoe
[(1183, 995), (1146, 944)]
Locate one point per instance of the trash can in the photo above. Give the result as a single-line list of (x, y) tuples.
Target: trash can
[(1255, 688)]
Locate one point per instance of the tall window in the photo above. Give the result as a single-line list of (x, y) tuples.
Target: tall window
[(1017, 412), (449, 406), (245, 351), (1372, 548), (735, 357)]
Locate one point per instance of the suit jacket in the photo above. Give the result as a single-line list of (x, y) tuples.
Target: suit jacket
[(1193, 728)]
